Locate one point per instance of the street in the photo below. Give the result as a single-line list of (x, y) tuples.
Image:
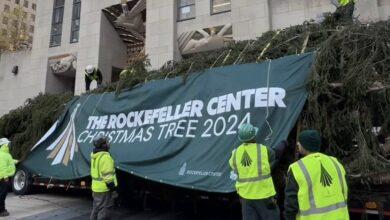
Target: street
[(62, 206), (47, 206)]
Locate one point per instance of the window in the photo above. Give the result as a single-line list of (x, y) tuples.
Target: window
[(6, 8), (25, 4), (74, 32), (219, 6), (5, 20), (34, 6), (32, 17), (56, 23), (185, 9), (32, 28), (17, 1)]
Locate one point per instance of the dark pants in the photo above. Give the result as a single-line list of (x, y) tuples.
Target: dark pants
[(3, 194), (261, 209), (102, 203)]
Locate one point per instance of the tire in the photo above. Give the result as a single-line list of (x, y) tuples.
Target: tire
[(21, 183)]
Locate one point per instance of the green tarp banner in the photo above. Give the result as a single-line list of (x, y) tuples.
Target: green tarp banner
[(178, 132)]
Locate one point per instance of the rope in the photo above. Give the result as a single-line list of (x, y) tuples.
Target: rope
[(100, 99), (81, 107), (242, 52), (219, 57), (267, 46), (166, 77), (189, 69), (267, 114), (226, 57), (304, 45)]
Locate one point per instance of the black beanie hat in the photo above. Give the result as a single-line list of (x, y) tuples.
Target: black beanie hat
[(310, 140)]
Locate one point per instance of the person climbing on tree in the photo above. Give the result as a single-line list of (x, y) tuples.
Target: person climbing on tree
[(251, 163), (345, 9), (91, 74)]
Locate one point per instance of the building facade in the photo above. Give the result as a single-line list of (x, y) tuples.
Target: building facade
[(29, 8), (70, 34)]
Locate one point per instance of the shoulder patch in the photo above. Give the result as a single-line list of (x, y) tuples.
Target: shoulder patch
[(326, 180), (246, 160)]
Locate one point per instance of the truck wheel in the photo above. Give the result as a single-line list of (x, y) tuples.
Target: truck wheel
[(21, 183)]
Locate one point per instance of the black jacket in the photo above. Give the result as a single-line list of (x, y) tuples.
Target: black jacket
[(276, 153), (291, 207), (96, 75)]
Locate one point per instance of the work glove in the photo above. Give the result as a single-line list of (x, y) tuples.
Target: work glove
[(233, 175), (111, 186)]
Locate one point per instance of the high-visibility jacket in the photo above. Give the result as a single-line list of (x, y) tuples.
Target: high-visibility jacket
[(250, 163), (323, 191), (96, 75), (102, 171), (345, 2), (7, 164)]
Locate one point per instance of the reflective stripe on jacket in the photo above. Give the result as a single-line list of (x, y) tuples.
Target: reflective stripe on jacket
[(251, 164), (345, 2), (102, 171), (323, 191)]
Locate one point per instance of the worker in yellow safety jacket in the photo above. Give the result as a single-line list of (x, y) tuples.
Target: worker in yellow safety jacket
[(91, 74), (7, 170), (104, 180), (316, 187), (344, 11), (251, 163)]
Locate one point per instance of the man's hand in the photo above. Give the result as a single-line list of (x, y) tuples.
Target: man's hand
[(111, 186)]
